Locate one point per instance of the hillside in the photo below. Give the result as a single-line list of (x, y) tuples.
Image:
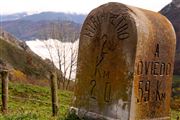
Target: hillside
[(24, 64), (172, 12)]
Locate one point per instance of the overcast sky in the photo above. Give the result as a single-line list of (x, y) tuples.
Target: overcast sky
[(71, 6)]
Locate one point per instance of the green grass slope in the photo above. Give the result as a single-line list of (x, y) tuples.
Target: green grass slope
[(28, 102)]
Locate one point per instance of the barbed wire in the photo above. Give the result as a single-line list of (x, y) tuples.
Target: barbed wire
[(25, 98)]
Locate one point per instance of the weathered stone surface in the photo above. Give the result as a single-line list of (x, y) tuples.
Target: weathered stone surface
[(125, 64)]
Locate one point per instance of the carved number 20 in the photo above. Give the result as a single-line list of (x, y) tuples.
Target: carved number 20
[(107, 91)]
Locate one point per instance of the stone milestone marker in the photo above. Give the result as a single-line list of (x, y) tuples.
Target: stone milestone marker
[(125, 65)]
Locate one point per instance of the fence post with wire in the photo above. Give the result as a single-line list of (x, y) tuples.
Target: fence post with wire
[(5, 79), (54, 93)]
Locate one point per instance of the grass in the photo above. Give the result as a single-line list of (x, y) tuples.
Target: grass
[(30, 102), (175, 114), (176, 79), (175, 103)]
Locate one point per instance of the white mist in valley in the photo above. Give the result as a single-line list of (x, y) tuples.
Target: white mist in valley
[(48, 49)]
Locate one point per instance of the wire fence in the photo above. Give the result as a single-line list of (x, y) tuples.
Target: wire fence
[(29, 99), (25, 98)]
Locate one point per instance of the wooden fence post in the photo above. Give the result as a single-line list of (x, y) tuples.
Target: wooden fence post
[(5, 80), (54, 94)]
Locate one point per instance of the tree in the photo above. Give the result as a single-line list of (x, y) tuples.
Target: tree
[(66, 56), (73, 62)]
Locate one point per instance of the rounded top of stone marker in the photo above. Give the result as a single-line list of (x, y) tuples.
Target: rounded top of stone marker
[(101, 19)]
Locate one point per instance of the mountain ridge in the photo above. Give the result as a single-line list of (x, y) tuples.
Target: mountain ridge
[(31, 30), (11, 17), (48, 16)]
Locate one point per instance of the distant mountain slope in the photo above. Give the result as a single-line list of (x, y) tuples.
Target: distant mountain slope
[(18, 55), (30, 30), (172, 12), (41, 25), (48, 16), (11, 17)]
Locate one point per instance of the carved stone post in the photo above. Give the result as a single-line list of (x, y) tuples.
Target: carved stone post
[(125, 64)]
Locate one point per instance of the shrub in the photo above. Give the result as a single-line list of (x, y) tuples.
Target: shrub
[(18, 75)]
